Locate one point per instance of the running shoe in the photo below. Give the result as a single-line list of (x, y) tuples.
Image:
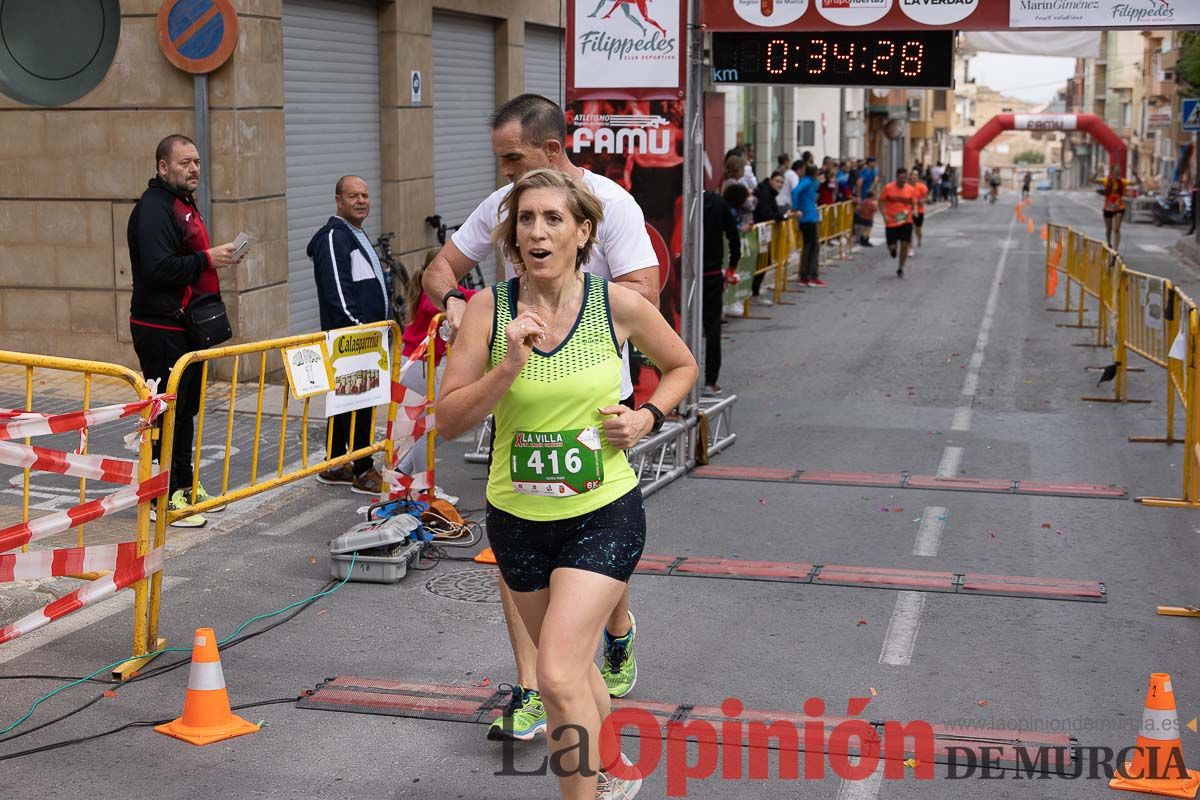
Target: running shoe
[(912, 253), (900, 272), (712, 390), (619, 669), (524, 717), (609, 787), (203, 496), (817, 282), (179, 501)]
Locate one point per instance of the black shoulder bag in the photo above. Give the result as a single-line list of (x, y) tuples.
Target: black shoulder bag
[(206, 322)]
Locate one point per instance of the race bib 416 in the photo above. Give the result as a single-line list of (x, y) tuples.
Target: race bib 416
[(556, 463)]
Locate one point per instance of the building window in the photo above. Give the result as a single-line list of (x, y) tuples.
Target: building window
[(939, 100), (806, 133)]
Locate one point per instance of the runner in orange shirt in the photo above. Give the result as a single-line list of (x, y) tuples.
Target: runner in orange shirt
[(899, 205), (1114, 207), (921, 191)]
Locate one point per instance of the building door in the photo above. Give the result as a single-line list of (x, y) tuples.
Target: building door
[(331, 119), (464, 97)]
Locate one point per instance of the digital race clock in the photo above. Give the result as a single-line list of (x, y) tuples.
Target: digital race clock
[(918, 59)]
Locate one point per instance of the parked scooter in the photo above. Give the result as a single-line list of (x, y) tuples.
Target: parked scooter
[(1171, 210)]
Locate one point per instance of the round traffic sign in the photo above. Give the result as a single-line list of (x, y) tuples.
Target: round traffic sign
[(197, 36)]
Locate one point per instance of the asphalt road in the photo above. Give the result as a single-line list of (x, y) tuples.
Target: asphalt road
[(873, 374)]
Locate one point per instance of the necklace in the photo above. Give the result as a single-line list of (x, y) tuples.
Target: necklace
[(528, 293)]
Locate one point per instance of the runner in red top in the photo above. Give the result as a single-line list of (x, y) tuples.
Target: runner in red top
[(1114, 207), (899, 205)]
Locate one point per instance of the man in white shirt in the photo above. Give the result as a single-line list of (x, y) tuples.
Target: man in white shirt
[(790, 179), (529, 132)]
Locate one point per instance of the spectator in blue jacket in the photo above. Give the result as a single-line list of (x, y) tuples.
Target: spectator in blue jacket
[(351, 290), (804, 202)]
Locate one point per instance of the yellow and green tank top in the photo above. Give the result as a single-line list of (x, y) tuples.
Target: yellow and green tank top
[(550, 460)]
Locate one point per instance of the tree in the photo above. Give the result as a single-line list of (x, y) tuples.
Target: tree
[(1189, 60), (1031, 157)]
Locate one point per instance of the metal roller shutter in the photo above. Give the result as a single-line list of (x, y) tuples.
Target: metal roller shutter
[(464, 96), (545, 62), (331, 118)]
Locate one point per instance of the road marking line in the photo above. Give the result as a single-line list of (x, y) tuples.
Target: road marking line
[(122, 601), (307, 518), (962, 419), (929, 535), (902, 630), (971, 381), (1153, 248), (951, 459), (866, 789)]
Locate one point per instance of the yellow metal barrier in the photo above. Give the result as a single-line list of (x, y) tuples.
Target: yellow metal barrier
[(1143, 315), (284, 473), (108, 384)]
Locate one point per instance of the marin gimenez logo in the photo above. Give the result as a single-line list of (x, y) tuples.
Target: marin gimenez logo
[(632, 35)]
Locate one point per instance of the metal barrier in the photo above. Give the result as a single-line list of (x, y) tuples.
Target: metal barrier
[(108, 566), (275, 433), (1143, 315)]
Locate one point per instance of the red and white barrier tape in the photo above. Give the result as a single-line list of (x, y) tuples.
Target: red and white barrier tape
[(400, 484), (66, 561), (41, 459), (25, 532), (18, 424), (125, 576)]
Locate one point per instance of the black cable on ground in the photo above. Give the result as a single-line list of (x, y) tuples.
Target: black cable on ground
[(137, 724)]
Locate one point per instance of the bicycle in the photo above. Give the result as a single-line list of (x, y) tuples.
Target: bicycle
[(396, 274), (473, 279)]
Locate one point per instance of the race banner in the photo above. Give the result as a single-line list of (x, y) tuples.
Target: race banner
[(626, 48), (362, 369), (639, 145)]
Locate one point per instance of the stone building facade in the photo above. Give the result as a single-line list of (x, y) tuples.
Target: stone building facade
[(71, 174)]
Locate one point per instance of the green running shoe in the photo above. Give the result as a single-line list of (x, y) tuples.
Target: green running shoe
[(619, 669), (523, 718), (203, 496)]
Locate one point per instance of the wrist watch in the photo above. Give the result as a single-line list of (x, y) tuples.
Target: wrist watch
[(656, 413), (455, 292)]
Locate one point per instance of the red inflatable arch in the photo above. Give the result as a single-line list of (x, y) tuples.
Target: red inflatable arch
[(1088, 123)]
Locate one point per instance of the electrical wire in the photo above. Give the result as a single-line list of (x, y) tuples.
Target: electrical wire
[(223, 643), (136, 724)]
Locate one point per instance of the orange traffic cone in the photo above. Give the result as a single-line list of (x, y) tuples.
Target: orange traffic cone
[(1157, 765), (1030, 225), (206, 714), (486, 556), (1045, 232)]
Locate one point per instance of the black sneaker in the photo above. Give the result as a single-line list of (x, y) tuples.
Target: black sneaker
[(900, 272)]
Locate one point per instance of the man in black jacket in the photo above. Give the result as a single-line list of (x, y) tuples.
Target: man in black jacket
[(172, 265), (719, 222), (351, 290)]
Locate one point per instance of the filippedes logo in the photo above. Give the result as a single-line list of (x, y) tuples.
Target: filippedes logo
[(625, 6)]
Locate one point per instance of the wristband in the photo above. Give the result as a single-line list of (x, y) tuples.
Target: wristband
[(455, 292), (656, 413)]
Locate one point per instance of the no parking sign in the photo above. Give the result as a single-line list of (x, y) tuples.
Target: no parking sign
[(197, 36)]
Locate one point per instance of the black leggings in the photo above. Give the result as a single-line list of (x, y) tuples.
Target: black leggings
[(810, 256), (714, 291)]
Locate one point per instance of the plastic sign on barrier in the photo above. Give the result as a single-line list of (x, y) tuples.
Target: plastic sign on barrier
[(361, 369), (308, 369)]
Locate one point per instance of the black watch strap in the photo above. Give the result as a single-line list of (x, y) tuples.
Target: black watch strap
[(657, 413), (456, 292)]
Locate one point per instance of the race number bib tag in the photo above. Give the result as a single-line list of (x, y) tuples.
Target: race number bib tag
[(900, 216), (556, 463)]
